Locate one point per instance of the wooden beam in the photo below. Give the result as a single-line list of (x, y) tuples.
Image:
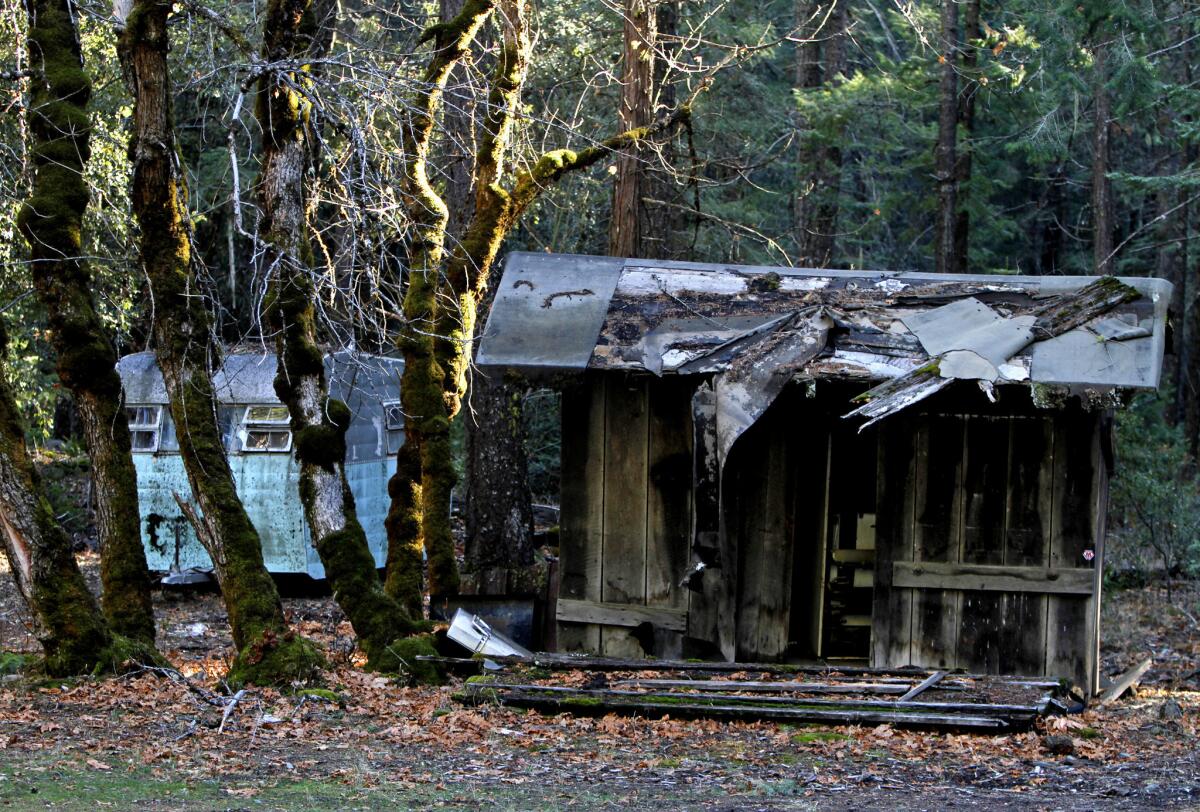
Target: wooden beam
[(1124, 682), (922, 686), (898, 689), (986, 578), (620, 614)]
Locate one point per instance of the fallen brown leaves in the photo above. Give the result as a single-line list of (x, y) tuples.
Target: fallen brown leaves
[(380, 730)]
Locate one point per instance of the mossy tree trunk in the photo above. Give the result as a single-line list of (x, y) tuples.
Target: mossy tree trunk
[(293, 32), (52, 220), (268, 651), (445, 291), (419, 488), (74, 634)]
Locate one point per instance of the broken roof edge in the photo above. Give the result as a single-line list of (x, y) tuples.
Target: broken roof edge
[(550, 308)]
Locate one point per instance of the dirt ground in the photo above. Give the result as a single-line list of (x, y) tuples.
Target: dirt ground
[(152, 742)]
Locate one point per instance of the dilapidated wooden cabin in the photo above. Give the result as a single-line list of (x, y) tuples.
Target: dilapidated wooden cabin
[(776, 463)]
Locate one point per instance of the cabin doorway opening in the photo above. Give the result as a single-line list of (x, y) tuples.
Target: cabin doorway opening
[(803, 489), (834, 577)]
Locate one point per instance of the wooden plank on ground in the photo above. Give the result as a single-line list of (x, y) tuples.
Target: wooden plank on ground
[(621, 614), (669, 506), (983, 578), (922, 686), (582, 505), (626, 483), (778, 687), (721, 707), (1124, 682)]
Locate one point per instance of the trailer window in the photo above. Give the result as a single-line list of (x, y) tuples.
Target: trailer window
[(145, 423), (265, 428), (393, 424)]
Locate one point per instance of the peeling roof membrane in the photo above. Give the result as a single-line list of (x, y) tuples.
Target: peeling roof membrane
[(695, 318)]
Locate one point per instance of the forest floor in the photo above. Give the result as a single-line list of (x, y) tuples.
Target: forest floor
[(149, 742)]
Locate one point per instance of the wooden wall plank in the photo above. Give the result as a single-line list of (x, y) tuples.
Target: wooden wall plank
[(1075, 525), (937, 537), (809, 445), (669, 509), (891, 628), (626, 483), (581, 528), (764, 546), (1029, 494), (991, 578), (985, 474), (621, 614)]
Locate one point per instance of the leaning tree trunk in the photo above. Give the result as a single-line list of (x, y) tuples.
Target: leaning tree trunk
[(268, 651), (425, 476), (319, 423), (444, 351), (75, 637), (51, 221), (945, 158)]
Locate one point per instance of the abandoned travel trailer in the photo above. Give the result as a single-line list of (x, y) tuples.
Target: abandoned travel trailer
[(794, 464), (258, 440)]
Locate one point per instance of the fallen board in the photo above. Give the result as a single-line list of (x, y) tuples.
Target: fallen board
[(569, 662), (556, 699), (785, 686)]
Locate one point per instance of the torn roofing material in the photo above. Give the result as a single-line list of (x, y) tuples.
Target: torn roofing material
[(753, 329), (561, 313)]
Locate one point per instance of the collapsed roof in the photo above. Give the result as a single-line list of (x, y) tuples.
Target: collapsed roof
[(915, 332)]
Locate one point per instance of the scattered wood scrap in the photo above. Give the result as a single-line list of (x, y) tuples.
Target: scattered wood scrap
[(1125, 682), (748, 692)]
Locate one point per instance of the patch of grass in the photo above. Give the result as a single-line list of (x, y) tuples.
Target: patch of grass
[(811, 736), (45, 781), (11, 663), (323, 693), (1089, 733)]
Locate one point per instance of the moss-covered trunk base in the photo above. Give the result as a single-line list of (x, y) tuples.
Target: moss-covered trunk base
[(273, 660)]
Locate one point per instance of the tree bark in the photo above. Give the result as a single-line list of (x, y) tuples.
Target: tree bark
[(425, 504), (640, 37), (74, 635), (436, 359), (966, 119), (268, 651), (945, 157), (51, 221), (1102, 241), (293, 33), (821, 62)]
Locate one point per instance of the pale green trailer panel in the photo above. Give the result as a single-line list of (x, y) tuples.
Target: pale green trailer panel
[(259, 444)]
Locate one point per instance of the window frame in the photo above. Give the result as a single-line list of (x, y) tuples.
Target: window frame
[(270, 426), (140, 428)]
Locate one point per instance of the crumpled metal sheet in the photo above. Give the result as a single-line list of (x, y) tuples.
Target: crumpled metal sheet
[(972, 340)]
